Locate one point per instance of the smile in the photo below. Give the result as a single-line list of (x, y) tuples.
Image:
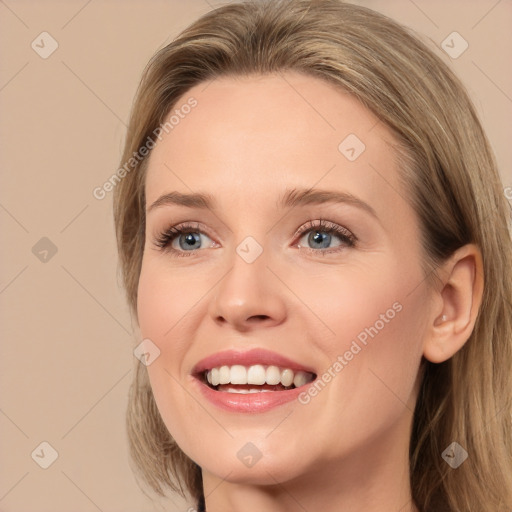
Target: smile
[(253, 381), (255, 378)]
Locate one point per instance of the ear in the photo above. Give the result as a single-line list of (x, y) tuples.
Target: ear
[(456, 304)]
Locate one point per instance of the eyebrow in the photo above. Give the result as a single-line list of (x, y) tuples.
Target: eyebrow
[(290, 199)]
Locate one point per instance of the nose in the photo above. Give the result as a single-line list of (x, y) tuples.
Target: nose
[(249, 296)]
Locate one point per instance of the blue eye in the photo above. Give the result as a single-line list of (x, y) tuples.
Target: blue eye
[(319, 233), (187, 235)]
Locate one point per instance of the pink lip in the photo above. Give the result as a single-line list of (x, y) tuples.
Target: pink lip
[(250, 402), (248, 358)]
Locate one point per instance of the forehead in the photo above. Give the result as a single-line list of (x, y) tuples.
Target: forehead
[(248, 137)]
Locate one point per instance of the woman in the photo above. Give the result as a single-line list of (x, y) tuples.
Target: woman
[(369, 372)]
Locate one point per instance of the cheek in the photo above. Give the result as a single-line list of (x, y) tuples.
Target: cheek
[(166, 301), (153, 305), (362, 303), (163, 303), (374, 343)]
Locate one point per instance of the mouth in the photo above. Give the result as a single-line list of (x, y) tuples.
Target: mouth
[(256, 378), (251, 381)]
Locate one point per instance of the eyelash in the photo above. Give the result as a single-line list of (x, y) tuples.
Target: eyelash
[(165, 238)]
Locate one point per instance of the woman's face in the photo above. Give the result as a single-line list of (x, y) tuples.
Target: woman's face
[(254, 270)]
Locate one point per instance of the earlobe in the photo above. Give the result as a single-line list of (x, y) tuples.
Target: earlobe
[(459, 299)]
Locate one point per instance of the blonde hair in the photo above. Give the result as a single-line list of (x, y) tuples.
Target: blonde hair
[(449, 169)]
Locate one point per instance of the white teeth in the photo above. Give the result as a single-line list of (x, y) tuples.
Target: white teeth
[(258, 375), (300, 379), (224, 375), (273, 375), (238, 374), (287, 377)]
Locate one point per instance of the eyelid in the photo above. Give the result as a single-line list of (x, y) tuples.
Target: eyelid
[(176, 230), (346, 236), (328, 226)]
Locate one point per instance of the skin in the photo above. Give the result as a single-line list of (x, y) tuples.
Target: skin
[(247, 140)]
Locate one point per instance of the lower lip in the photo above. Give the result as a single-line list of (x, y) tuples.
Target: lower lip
[(248, 402)]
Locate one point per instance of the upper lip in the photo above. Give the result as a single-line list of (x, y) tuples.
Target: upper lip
[(248, 358)]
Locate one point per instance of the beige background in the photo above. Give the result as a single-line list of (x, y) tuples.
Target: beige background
[(66, 360)]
